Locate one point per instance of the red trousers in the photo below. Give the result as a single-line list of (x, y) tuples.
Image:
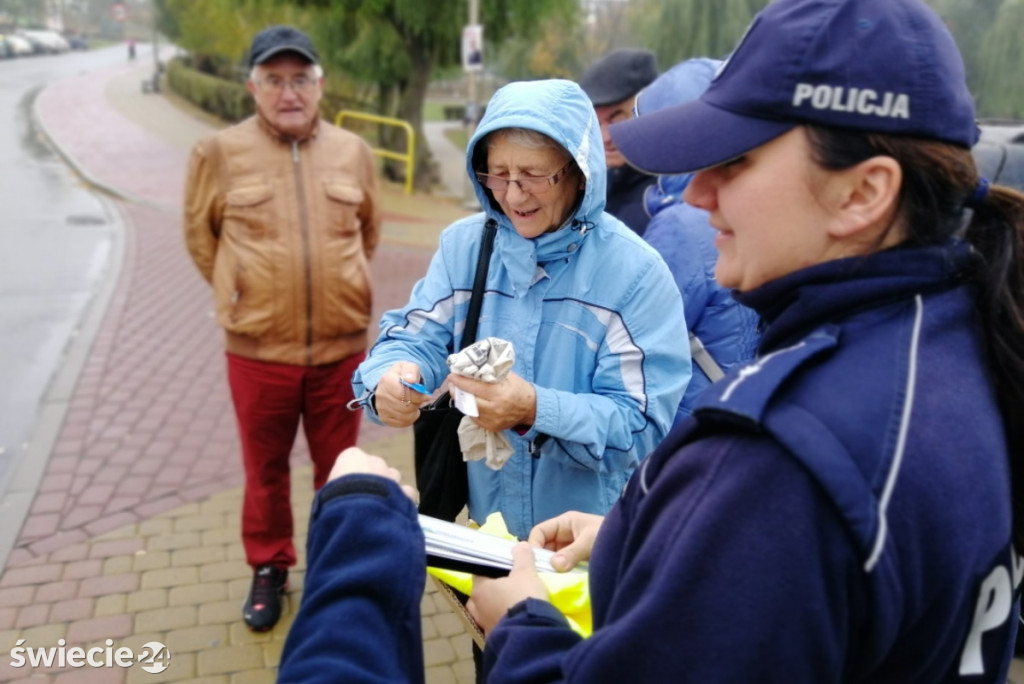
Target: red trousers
[(270, 399)]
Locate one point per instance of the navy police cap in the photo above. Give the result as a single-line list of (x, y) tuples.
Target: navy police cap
[(884, 66)]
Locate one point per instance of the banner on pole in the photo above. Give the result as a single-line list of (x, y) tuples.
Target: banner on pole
[(473, 47)]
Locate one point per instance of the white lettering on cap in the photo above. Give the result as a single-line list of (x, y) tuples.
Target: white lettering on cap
[(857, 100)]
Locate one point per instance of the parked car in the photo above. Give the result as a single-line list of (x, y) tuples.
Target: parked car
[(999, 153), (77, 42), (38, 46), (46, 42), (21, 46)]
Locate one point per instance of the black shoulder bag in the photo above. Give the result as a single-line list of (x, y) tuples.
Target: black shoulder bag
[(441, 476)]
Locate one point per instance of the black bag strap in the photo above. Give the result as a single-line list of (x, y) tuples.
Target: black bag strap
[(476, 301)]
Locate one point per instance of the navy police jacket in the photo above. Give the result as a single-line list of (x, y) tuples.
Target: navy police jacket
[(625, 199), (359, 620), (837, 510)]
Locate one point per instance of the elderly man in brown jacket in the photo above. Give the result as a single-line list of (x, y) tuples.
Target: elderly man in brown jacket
[(281, 217)]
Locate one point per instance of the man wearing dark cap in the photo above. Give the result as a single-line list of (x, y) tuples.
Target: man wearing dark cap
[(612, 83), (281, 217)]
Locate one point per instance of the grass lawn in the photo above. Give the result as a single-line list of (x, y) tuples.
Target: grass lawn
[(433, 110), (458, 136)]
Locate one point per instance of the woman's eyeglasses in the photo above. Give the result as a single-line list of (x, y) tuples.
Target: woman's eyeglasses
[(531, 185)]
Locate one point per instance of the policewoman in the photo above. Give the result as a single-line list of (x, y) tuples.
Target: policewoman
[(839, 509)]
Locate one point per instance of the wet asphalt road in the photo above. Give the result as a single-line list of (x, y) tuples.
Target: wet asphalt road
[(55, 244)]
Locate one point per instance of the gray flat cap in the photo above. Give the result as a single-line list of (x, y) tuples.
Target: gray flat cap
[(619, 75)]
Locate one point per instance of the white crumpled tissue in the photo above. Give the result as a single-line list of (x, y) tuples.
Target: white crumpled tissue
[(489, 360)]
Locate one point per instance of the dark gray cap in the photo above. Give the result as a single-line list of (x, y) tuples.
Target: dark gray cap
[(619, 75), (277, 39)]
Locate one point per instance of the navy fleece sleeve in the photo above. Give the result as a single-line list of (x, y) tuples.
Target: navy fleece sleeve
[(360, 615), (732, 568)]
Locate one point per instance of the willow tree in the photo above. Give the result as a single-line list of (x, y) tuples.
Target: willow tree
[(397, 46), (1000, 64), (219, 31), (676, 30), (969, 21), (23, 13)]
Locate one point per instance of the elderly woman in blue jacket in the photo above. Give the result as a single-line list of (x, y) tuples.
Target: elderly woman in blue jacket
[(591, 310)]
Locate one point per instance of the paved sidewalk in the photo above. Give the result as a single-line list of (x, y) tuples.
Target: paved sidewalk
[(123, 521)]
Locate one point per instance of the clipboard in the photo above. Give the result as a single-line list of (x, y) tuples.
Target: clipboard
[(456, 601)]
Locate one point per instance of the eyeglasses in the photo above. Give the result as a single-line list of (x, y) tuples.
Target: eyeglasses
[(276, 86), (531, 185)]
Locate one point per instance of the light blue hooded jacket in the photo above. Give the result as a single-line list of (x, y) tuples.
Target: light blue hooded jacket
[(591, 310)]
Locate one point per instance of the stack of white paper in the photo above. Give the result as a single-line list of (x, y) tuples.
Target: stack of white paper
[(466, 545)]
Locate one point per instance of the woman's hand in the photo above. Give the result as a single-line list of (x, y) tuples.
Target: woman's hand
[(505, 404), (353, 461), (491, 598), (396, 404), (571, 535)]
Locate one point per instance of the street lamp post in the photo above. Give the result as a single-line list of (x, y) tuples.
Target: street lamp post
[(156, 55), (474, 20), (472, 107)]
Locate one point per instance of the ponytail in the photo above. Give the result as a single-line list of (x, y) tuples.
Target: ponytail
[(996, 231), (941, 183)]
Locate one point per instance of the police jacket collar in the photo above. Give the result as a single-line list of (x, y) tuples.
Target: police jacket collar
[(795, 304)]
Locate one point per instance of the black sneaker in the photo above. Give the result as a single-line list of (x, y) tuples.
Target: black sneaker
[(262, 607)]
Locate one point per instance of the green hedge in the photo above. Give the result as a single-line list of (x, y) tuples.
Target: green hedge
[(228, 100), (231, 100)]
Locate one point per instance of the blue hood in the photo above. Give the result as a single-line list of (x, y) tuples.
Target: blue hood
[(562, 111), (684, 82), (665, 192)]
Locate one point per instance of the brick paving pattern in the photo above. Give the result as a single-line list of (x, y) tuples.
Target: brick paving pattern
[(133, 534)]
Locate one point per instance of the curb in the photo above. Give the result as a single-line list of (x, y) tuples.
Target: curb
[(79, 169), (19, 493)]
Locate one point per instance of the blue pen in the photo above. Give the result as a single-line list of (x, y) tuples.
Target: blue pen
[(415, 386)]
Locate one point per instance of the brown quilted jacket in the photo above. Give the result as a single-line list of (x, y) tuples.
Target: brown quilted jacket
[(284, 232)]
